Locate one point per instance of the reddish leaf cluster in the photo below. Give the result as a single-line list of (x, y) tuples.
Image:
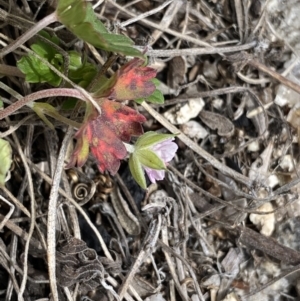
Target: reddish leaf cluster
[(104, 134), (132, 81)]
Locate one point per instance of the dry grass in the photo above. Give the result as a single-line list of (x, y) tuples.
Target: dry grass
[(224, 223)]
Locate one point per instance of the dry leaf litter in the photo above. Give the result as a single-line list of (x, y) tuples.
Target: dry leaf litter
[(224, 224)]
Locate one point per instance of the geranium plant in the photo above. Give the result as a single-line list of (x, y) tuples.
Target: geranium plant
[(108, 124)]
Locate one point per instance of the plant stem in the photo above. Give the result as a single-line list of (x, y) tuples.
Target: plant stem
[(63, 119), (8, 70), (56, 92), (29, 34)]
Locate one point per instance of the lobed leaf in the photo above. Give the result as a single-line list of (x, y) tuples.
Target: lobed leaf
[(36, 71), (131, 81), (156, 97), (105, 133), (125, 121)]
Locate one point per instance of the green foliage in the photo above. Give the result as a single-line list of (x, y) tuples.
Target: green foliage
[(79, 17), (5, 159), (137, 171), (150, 159), (34, 69), (37, 72), (83, 75), (101, 134), (40, 107), (151, 138)]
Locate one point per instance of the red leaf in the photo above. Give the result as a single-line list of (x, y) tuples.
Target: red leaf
[(132, 81), (81, 152), (105, 134), (126, 121), (105, 146)]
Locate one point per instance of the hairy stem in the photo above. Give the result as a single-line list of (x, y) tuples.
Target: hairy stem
[(29, 34), (39, 95)]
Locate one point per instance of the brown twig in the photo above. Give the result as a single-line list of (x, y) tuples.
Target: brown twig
[(283, 80), (254, 240)]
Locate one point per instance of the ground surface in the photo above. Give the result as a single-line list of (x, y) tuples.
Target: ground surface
[(224, 223)]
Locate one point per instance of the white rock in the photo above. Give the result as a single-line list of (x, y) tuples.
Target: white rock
[(218, 103), (265, 222), (287, 96), (287, 163), (253, 146), (194, 129), (186, 112), (272, 181)]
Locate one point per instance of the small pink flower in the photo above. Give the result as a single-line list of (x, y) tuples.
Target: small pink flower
[(166, 151)]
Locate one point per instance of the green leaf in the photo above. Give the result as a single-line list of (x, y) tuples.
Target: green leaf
[(5, 159), (137, 171), (149, 159), (37, 72), (79, 17), (44, 49), (151, 138), (75, 60), (156, 97), (83, 75), (41, 51), (100, 85), (71, 12), (54, 39)]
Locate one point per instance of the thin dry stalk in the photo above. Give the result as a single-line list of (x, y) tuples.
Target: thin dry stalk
[(9, 213), (32, 214), (52, 209)]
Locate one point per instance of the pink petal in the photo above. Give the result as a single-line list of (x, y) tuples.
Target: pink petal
[(155, 174), (166, 150)]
